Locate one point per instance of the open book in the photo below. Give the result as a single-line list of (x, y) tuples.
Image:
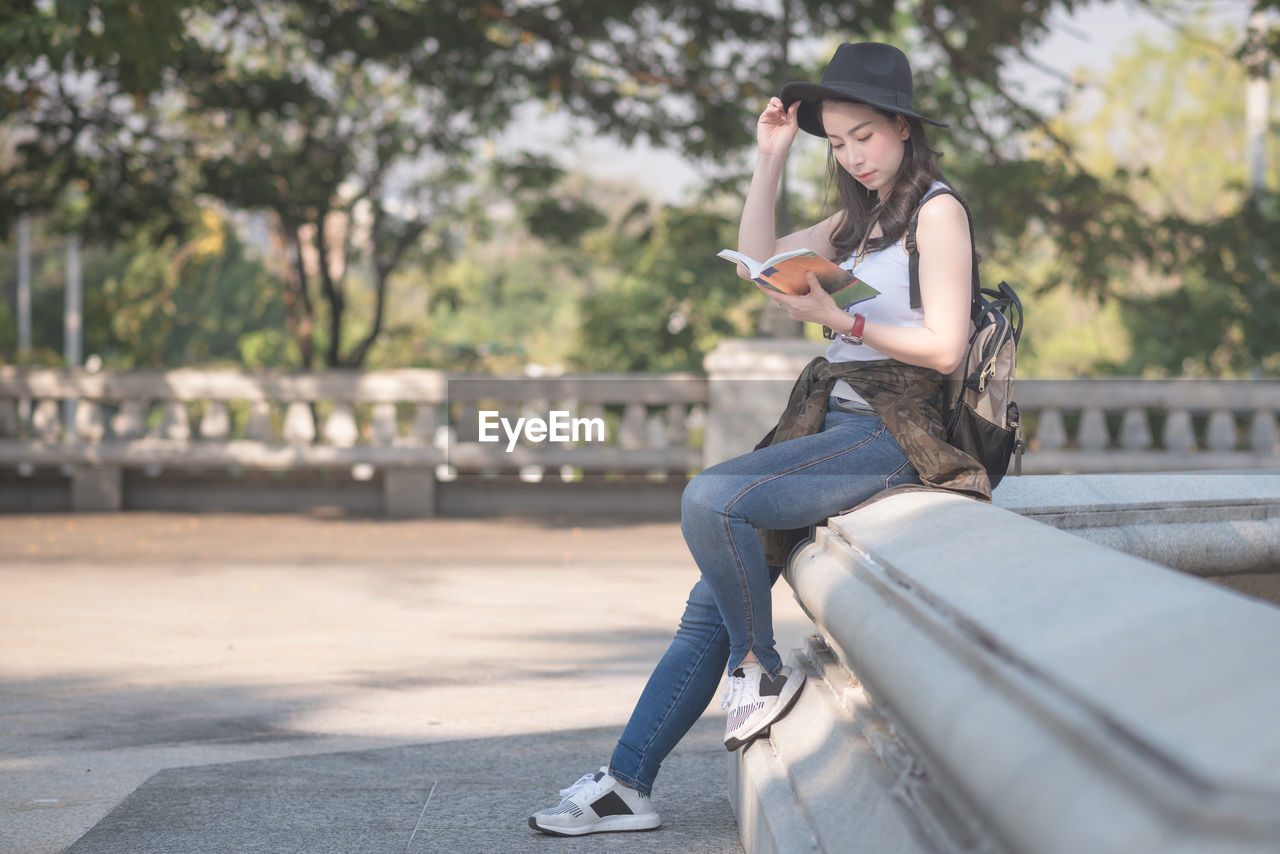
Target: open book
[(786, 273)]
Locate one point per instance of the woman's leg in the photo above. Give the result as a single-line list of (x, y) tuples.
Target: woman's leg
[(789, 485), (678, 691), (617, 797), (688, 674)]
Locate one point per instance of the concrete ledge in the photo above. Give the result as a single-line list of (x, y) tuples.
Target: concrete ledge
[(1211, 525), (1048, 694), (833, 776)]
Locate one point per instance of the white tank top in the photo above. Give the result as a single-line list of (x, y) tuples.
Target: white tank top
[(888, 271)]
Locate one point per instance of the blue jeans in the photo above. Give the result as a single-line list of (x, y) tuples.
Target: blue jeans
[(729, 612)]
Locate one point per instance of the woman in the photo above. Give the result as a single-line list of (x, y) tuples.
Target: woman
[(843, 436)]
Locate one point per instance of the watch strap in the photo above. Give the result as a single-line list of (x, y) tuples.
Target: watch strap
[(854, 335)]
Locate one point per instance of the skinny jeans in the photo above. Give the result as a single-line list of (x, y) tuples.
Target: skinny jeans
[(729, 612)]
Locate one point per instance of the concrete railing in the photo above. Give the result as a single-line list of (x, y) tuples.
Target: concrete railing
[(409, 429), (1084, 425), (982, 681), (413, 432)]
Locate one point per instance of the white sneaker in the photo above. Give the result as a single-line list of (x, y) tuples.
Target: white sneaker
[(755, 699), (596, 803)]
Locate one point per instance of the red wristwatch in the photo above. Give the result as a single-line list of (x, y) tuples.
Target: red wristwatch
[(854, 335)]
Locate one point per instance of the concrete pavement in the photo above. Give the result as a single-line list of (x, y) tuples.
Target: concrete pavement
[(288, 683)]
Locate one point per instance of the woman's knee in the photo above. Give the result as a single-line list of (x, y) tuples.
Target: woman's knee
[(704, 495)]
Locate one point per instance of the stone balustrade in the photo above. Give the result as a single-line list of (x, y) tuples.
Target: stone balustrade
[(1076, 425), (414, 430), (1099, 425), (410, 429)]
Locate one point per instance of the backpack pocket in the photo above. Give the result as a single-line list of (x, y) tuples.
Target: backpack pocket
[(985, 441)]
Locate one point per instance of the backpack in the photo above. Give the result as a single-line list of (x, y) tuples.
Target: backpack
[(979, 413)]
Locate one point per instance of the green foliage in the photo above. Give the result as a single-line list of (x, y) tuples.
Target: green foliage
[(171, 304), (1215, 310), (161, 302), (674, 300), (1184, 250)]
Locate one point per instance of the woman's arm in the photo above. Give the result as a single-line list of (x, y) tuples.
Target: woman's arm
[(946, 269), (775, 132)]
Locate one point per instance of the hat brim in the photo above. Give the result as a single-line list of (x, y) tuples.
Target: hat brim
[(809, 94)]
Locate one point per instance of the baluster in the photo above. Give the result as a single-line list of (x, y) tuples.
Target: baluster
[(1178, 435), (1221, 431), (384, 423), (340, 428), (655, 430), (572, 406), (537, 408), (258, 427), (1262, 432), (46, 423), (175, 423), (1093, 435), (593, 412), (467, 427), (529, 410), (697, 419), (299, 423), (9, 419), (215, 421), (631, 432), (131, 421), (1051, 430), (90, 426), (446, 438), (426, 420), (677, 432), (1135, 430)]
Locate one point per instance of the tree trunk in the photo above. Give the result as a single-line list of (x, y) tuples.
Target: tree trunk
[(333, 294), (297, 299)]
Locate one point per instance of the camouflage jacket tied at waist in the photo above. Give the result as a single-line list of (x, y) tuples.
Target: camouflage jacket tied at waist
[(908, 399)]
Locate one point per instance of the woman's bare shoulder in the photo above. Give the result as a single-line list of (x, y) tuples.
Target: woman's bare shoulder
[(944, 215), (943, 211)]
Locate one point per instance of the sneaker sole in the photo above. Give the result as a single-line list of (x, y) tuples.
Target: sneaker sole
[(608, 824), (785, 702)]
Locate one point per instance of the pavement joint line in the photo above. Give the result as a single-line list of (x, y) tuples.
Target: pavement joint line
[(421, 816)]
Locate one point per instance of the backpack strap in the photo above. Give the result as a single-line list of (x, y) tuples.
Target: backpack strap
[(913, 254)]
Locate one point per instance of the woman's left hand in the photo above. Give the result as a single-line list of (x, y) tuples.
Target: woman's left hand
[(816, 306)]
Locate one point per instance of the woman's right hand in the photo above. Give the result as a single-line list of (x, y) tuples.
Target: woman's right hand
[(777, 127)]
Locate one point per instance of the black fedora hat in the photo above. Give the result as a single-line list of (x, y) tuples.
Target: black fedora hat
[(868, 72)]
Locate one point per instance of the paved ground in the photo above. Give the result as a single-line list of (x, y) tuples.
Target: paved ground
[(263, 683)]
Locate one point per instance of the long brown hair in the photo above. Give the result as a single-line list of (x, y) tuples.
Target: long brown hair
[(861, 209)]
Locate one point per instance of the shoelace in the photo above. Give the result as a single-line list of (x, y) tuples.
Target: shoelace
[(733, 686), (581, 785)]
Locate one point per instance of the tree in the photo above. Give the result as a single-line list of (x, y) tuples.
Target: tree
[(1199, 289), (357, 125)]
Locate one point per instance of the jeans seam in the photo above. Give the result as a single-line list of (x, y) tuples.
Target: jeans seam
[(684, 686), (888, 481)]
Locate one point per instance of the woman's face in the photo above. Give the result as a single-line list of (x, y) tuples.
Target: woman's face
[(866, 144)]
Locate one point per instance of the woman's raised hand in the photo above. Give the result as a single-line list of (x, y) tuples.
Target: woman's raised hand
[(777, 127)]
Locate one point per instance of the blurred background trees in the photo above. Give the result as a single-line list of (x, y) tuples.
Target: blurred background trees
[(296, 183)]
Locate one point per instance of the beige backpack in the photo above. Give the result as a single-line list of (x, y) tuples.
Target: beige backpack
[(979, 412)]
